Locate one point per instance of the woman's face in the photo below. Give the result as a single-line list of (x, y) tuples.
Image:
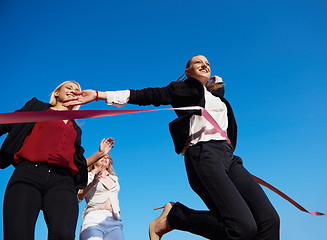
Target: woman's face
[(104, 161), (66, 91), (199, 68)]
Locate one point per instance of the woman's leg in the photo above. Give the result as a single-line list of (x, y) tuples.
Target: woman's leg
[(60, 205), (92, 232), (116, 234), (91, 227), (100, 224), (114, 230), (264, 213), (229, 216), (22, 203)]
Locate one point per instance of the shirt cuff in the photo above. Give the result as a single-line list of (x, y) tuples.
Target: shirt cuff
[(118, 98), (219, 80)]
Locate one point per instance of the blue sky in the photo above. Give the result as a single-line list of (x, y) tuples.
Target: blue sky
[(272, 56)]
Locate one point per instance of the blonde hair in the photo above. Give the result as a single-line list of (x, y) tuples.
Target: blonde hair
[(109, 168), (209, 85), (53, 99)]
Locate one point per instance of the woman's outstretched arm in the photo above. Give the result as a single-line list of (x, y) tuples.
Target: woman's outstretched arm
[(116, 98), (147, 96), (84, 97)]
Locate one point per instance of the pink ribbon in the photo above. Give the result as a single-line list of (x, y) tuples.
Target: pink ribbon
[(287, 198), (41, 116)]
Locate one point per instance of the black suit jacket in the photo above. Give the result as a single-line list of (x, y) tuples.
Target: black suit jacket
[(19, 131), (183, 94)]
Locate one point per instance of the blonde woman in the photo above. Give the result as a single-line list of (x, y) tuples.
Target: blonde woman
[(101, 216), (49, 167)]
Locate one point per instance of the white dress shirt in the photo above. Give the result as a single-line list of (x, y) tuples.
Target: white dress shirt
[(118, 98), (100, 193), (200, 129)]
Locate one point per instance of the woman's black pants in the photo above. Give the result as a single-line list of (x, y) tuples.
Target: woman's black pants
[(34, 187), (238, 207)]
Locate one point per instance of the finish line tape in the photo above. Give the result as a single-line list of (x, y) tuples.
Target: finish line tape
[(41, 116)]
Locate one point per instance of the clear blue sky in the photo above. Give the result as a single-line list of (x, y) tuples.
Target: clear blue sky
[(272, 56)]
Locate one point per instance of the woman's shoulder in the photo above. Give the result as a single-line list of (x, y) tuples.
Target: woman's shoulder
[(34, 100), (114, 177), (176, 84), (36, 105), (187, 83), (179, 86)]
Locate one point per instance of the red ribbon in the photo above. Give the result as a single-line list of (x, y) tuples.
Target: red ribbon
[(287, 198), (41, 116)]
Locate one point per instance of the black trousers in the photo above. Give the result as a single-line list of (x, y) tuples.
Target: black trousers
[(34, 187), (238, 207)]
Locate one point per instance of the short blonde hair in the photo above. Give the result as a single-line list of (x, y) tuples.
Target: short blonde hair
[(53, 99)]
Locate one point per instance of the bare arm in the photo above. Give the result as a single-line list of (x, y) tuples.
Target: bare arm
[(83, 192), (105, 146)]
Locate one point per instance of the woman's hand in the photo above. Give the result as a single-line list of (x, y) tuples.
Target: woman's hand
[(106, 145), (215, 79), (97, 175), (81, 97), (215, 83)]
